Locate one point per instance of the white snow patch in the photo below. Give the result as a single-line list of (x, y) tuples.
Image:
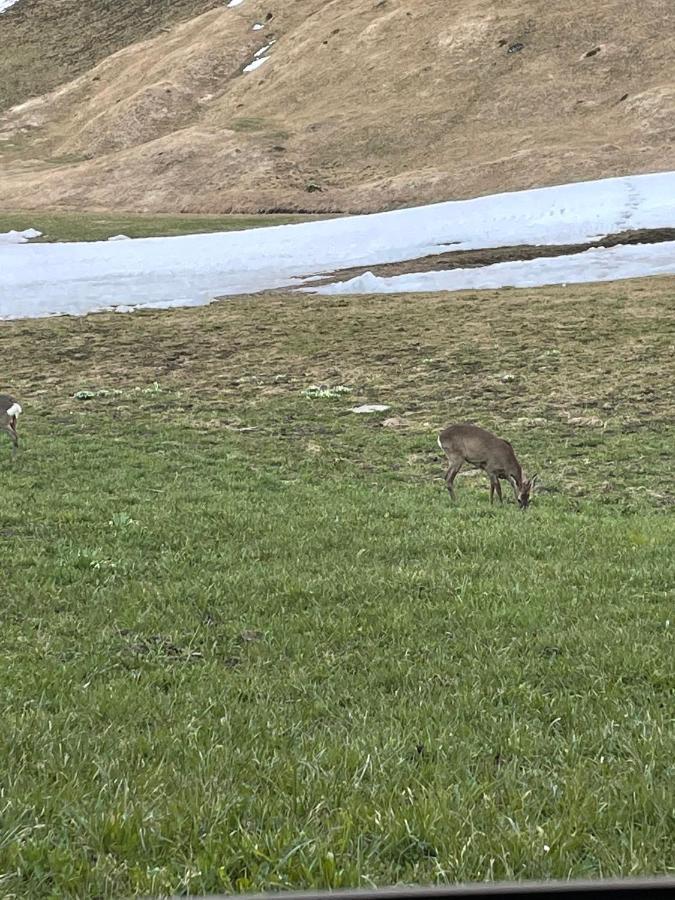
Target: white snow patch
[(251, 67), (259, 53), (19, 237), (370, 407), (611, 264), (5, 4), (119, 237), (235, 3), (77, 278)]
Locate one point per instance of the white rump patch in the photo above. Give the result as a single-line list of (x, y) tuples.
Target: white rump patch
[(14, 410)]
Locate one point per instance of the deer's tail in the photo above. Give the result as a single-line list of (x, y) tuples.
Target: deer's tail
[(14, 411)]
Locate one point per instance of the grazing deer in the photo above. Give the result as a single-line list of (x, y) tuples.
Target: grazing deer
[(480, 448), (9, 412)]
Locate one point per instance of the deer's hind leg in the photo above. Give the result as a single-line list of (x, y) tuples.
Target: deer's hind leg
[(495, 488), (11, 431)]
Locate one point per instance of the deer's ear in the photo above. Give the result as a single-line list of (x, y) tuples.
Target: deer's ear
[(533, 479), (513, 481)]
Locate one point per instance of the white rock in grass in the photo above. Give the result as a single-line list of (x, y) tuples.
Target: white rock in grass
[(258, 26), (527, 422), (235, 2), (395, 422), (586, 422), (370, 407)]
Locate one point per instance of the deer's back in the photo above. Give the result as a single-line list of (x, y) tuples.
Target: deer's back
[(6, 402), (476, 445)]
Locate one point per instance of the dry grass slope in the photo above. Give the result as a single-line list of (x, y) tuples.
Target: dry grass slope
[(361, 106), (46, 43)]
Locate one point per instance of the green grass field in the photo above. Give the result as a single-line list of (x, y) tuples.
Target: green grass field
[(91, 226), (247, 640)]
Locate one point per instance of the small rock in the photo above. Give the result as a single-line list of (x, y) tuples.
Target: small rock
[(249, 636), (531, 423), (586, 422), (370, 407), (394, 422)]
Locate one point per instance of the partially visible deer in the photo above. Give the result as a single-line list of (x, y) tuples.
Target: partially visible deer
[(478, 447), (9, 412)]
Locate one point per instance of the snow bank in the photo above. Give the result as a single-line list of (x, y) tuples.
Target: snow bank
[(5, 4), (259, 53), (611, 264), (43, 279), (18, 237), (251, 67)]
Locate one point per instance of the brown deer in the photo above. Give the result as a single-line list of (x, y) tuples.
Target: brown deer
[(480, 448), (9, 412)]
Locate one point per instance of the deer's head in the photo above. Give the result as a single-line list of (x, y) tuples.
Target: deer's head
[(524, 491)]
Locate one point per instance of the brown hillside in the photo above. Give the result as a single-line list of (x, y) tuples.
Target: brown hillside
[(362, 105), (45, 43)]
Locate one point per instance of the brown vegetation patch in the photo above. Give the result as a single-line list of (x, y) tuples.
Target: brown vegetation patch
[(360, 107), (467, 259)]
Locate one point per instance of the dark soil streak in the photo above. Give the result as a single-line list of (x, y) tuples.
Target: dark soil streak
[(469, 259)]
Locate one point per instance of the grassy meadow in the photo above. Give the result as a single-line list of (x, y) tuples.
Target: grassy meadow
[(93, 226), (247, 640)]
